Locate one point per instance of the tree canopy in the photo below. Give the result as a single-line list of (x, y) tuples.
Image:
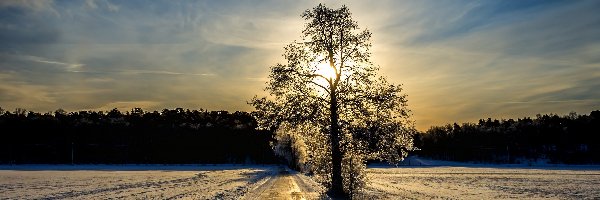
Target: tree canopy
[(330, 95)]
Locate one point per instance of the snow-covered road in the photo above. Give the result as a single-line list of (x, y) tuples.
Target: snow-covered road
[(286, 184)]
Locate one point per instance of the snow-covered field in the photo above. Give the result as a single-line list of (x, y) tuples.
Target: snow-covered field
[(483, 182), (464, 181), (129, 182)]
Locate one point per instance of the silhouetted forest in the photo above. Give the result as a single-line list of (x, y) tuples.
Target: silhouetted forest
[(136, 136), (572, 139), (200, 136)]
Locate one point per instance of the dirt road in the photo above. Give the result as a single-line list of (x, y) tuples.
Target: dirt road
[(285, 184)]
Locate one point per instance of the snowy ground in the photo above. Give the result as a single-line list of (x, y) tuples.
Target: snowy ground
[(154, 182), (462, 181), (449, 180), (129, 181)]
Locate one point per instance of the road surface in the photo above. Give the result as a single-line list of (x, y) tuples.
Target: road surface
[(285, 184)]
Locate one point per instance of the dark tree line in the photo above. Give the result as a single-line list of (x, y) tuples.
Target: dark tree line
[(573, 139), (136, 136)]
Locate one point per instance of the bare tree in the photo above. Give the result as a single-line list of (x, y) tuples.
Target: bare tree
[(330, 84)]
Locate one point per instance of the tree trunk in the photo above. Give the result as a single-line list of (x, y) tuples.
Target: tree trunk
[(337, 187)]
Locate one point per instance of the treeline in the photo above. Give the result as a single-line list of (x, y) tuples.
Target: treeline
[(136, 136), (571, 139)]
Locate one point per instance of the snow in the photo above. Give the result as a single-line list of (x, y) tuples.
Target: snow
[(286, 184), (415, 161), (438, 179), (129, 181), (131, 167), (427, 179)]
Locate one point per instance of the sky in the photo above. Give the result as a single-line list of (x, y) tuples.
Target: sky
[(458, 61)]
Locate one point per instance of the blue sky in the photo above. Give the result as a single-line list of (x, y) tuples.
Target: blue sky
[(458, 60)]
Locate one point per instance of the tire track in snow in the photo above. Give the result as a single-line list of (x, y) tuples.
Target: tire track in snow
[(75, 194), (283, 185)]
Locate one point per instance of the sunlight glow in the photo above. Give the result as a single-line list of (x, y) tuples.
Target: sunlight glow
[(325, 70)]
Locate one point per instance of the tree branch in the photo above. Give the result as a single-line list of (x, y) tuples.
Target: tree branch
[(322, 87)]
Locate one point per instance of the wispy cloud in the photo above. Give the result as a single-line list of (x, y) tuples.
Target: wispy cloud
[(31, 5), (97, 4), (483, 59), (71, 67), (161, 72)]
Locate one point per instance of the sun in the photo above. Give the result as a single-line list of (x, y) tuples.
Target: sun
[(325, 70)]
